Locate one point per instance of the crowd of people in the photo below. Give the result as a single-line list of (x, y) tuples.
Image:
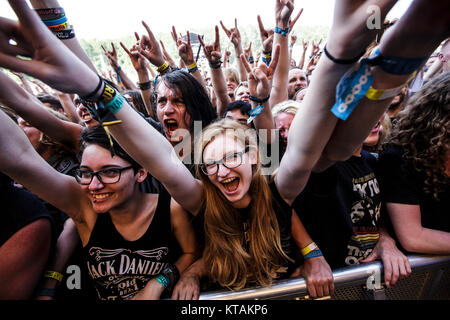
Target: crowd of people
[(224, 177)]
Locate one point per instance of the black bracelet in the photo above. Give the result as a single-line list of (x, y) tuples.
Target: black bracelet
[(260, 101), (92, 94), (145, 86), (341, 61), (215, 65), (45, 292)]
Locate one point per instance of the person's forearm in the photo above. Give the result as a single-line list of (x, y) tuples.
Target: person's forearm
[(146, 92), (127, 83), (241, 68), (65, 246), (73, 44), (301, 62), (279, 91), (220, 90)]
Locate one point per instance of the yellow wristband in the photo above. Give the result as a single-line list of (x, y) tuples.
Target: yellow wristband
[(163, 67), (192, 66), (53, 275), (310, 247), (382, 94)]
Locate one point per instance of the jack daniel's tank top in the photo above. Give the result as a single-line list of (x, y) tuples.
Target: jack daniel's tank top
[(120, 268)]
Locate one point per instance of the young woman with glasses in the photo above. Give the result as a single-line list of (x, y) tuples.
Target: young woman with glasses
[(126, 234)]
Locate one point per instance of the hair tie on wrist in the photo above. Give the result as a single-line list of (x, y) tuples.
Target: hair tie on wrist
[(92, 94), (341, 61)]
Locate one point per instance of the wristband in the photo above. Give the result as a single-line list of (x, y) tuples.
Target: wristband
[(283, 32), (192, 68), (116, 103), (251, 60), (45, 292), (60, 27), (310, 247), (65, 34), (260, 101), (340, 61), (382, 94), (163, 67), (50, 13), (117, 73), (145, 86), (53, 275), (313, 254), (51, 23), (172, 273), (215, 65), (255, 112), (92, 94), (163, 280)]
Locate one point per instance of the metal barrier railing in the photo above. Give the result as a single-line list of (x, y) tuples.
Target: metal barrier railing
[(368, 275)]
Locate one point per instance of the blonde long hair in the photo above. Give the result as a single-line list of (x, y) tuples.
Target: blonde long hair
[(229, 263)]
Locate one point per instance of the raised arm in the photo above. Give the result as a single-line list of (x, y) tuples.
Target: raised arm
[(410, 42), (145, 85), (57, 66), (122, 78), (213, 54), (187, 55), (67, 35), (32, 110), (314, 124), (235, 37), (283, 11)]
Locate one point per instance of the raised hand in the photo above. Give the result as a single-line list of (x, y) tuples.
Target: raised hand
[(137, 59), (305, 45), (293, 39), (52, 61), (233, 34), (248, 51), (266, 36), (112, 56), (212, 50), (259, 77), (149, 48), (184, 48)]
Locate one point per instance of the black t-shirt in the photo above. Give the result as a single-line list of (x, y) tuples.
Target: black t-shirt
[(401, 183), (19, 208), (340, 209), (120, 268)]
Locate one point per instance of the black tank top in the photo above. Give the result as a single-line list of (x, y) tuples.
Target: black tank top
[(120, 268)]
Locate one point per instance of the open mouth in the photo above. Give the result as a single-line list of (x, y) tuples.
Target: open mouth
[(230, 184), (376, 128), (171, 126), (86, 117)]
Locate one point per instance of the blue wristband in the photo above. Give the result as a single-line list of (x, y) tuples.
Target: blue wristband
[(163, 280), (116, 103), (313, 254), (283, 32), (254, 112), (50, 23)]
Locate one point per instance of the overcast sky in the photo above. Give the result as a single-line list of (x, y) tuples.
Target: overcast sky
[(109, 19)]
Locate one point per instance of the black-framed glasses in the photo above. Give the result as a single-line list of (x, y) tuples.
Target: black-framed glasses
[(105, 176), (230, 161)]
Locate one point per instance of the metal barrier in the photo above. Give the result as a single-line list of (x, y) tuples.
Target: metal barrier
[(430, 279)]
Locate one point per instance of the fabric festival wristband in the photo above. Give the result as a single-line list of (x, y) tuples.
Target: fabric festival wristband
[(255, 112), (313, 254), (163, 280), (53, 275), (382, 94), (283, 32), (395, 65), (310, 247), (65, 34), (251, 60), (163, 67)]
